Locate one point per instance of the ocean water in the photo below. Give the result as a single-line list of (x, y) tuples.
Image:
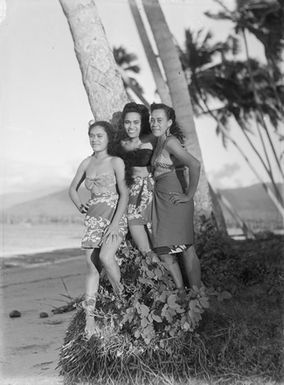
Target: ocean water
[(25, 238)]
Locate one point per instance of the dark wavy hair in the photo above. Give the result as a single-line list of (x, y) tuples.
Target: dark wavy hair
[(142, 111), (109, 130), (170, 112)]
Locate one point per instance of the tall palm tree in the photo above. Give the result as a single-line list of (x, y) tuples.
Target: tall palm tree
[(179, 95), (161, 84), (101, 78), (262, 18), (214, 77), (265, 20)]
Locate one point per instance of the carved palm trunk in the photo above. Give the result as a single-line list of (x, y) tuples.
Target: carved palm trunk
[(100, 75)]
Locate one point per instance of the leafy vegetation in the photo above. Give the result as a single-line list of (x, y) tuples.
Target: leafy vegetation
[(155, 335)]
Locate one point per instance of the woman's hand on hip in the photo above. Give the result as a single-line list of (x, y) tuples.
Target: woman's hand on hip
[(111, 233), (84, 208), (177, 198)]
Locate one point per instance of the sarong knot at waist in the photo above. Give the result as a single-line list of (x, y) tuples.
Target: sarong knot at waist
[(107, 194)]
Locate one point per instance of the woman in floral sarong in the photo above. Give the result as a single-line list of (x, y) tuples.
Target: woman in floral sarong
[(172, 209), (105, 220), (136, 148)]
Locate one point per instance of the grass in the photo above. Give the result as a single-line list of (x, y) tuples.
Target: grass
[(238, 341)]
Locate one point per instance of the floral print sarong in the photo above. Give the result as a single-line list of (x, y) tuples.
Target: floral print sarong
[(140, 200), (100, 213)]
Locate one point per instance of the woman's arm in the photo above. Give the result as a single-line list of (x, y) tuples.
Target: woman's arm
[(118, 166), (174, 147), (76, 183)]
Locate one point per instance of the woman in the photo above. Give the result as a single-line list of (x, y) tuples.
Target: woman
[(136, 148), (105, 220), (172, 211)]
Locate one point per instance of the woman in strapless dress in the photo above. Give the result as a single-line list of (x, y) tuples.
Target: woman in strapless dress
[(105, 219), (136, 149)]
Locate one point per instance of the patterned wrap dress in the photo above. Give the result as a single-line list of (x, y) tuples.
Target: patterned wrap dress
[(172, 224), (140, 188), (102, 207)]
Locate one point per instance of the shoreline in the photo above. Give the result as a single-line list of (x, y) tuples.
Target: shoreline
[(30, 344), (39, 250), (33, 259), (234, 233)]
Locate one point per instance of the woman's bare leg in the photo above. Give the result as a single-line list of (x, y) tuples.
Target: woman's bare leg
[(92, 285), (141, 240), (172, 265), (107, 257), (192, 267)]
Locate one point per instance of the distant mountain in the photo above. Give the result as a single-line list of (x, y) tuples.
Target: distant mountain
[(53, 207), (252, 204), (11, 199)]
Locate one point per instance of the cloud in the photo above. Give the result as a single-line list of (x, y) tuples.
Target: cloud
[(25, 176), (227, 170), (3, 9), (226, 177)]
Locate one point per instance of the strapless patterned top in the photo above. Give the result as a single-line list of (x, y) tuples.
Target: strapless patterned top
[(102, 184), (163, 162)]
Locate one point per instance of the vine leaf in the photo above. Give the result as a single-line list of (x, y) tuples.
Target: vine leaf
[(144, 310)]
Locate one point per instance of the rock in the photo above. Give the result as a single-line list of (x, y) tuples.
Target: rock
[(43, 314), (15, 314)]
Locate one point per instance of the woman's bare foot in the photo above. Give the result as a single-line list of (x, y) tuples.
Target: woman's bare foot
[(91, 328)]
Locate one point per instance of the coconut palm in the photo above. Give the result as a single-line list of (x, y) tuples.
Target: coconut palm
[(100, 75), (160, 82), (212, 77), (265, 20)]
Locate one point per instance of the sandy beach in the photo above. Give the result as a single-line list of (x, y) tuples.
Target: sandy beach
[(30, 344)]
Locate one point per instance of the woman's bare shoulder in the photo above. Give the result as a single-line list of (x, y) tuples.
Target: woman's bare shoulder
[(172, 141), (116, 161), (85, 162)]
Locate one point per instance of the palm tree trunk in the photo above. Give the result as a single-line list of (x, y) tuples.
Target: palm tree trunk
[(161, 85), (271, 194), (180, 96), (267, 168), (101, 78), (271, 66), (217, 211), (243, 225)]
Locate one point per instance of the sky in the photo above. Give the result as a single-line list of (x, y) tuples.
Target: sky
[(44, 111)]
